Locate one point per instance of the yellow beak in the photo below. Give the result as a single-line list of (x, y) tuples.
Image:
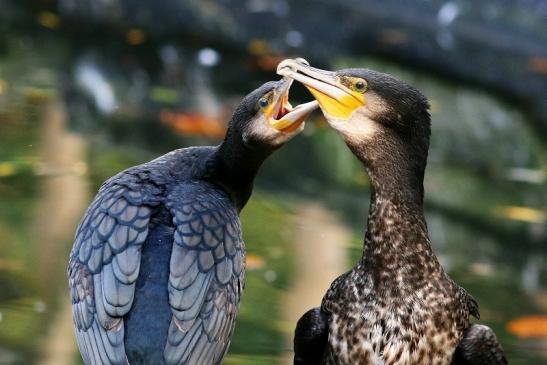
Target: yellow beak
[(280, 113), (335, 99)]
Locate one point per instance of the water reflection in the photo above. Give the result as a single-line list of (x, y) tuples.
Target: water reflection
[(71, 116)]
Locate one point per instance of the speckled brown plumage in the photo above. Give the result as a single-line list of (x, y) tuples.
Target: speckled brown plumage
[(397, 306)]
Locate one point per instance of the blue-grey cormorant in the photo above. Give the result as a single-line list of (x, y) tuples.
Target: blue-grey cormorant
[(397, 306), (157, 268)]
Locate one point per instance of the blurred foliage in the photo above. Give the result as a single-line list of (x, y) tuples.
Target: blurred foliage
[(266, 234), (19, 319)]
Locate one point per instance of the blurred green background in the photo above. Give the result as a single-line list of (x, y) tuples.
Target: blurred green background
[(88, 88)]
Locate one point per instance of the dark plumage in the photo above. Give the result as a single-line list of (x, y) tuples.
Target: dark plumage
[(310, 337), (479, 346), (397, 305), (157, 268)]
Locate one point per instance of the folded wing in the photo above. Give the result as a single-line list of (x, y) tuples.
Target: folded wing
[(104, 265), (206, 276)]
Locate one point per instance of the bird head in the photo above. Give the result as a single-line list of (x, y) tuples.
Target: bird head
[(384, 121), (265, 118)]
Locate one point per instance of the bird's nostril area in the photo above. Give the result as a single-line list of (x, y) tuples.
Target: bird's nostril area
[(291, 65), (302, 61), (288, 68)]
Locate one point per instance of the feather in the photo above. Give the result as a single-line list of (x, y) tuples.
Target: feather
[(202, 278), (224, 271), (102, 285), (106, 226), (206, 260)]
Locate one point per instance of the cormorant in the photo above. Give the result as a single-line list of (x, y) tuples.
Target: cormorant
[(397, 305), (156, 272)]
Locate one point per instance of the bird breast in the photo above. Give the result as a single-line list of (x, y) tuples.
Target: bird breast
[(370, 328)]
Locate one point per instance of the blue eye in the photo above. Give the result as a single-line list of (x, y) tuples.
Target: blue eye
[(360, 86), (263, 102)]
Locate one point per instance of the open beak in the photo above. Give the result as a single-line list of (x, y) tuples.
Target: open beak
[(281, 114), (335, 99)]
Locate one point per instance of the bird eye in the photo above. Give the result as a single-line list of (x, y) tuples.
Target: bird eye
[(263, 102), (360, 85)]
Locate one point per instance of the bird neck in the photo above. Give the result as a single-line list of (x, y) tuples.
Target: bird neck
[(234, 168), (397, 250), (396, 172)]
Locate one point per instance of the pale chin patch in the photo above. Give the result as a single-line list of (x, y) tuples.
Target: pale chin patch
[(358, 127), (259, 132)]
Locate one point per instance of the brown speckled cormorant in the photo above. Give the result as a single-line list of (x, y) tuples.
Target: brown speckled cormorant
[(397, 306), (157, 268)]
